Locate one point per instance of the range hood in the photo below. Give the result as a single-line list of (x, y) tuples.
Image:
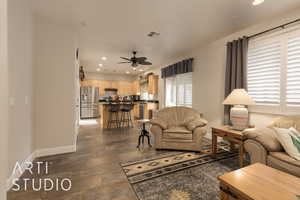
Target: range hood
[(111, 89)]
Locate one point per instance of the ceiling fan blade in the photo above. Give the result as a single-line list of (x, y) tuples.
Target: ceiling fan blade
[(141, 59), (123, 62), (145, 63), (125, 58)]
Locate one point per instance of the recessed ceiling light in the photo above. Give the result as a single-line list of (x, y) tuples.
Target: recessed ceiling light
[(127, 72), (98, 69), (141, 70), (100, 65), (257, 2), (104, 58)]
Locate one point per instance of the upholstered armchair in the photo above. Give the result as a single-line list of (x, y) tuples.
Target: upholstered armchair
[(179, 128), (263, 146)]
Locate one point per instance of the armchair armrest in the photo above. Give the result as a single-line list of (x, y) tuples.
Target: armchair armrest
[(266, 137), (192, 125), (159, 122)]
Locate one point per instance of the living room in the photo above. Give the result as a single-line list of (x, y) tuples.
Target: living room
[(196, 68)]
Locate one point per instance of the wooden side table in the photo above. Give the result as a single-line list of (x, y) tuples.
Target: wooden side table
[(233, 136)]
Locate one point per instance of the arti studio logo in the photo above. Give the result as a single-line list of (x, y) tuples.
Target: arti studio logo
[(38, 184)]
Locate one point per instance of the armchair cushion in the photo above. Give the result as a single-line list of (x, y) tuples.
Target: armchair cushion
[(196, 123), (159, 122), (179, 129), (178, 136), (266, 137)]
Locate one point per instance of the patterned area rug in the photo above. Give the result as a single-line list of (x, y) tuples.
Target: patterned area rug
[(181, 175)]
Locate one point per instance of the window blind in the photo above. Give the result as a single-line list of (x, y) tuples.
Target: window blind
[(179, 90), (264, 61), (184, 89), (170, 94), (293, 72)]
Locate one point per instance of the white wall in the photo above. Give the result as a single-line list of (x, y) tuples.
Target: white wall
[(20, 62), (109, 77), (3, 99), (55, 117)]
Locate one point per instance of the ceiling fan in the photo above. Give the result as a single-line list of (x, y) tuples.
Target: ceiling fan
[(135, 61)]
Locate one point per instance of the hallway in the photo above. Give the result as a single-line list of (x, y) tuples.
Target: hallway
[(95, 168)]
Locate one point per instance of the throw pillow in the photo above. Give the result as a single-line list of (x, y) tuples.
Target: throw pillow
[(295, 132), (196, 123), (188, 120), (295, 135), (159, 122), (286, 140)]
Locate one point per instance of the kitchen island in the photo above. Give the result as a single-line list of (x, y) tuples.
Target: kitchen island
[(141, 110)]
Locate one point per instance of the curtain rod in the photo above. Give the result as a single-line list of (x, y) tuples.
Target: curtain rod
[(273, 29)]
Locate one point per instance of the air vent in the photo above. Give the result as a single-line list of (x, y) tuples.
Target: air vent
[(152, 34)]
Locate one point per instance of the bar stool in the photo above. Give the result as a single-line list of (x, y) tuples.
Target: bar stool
[(113, 119), (126, 115)]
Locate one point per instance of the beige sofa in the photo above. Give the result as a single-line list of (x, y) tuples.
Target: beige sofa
[(179, 128), (263, 147)]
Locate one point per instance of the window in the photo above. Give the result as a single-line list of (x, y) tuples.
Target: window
[(273, 73), (178, 90)]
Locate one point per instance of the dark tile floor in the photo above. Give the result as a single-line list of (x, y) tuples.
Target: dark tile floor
[(94, 169)]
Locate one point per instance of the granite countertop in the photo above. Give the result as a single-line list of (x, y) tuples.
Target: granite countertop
[(126, 102)]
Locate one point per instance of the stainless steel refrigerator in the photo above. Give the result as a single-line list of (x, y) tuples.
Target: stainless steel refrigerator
[(89, 97)]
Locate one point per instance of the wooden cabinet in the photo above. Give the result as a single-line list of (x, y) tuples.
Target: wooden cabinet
[(102, 84), (136, 87), (153, 84), (124, 87)]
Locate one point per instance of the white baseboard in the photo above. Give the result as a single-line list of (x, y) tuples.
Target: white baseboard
[(18, 174), (55, 151), (37, 154)]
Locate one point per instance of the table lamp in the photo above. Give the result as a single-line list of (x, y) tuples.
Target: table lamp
[(239, 115)]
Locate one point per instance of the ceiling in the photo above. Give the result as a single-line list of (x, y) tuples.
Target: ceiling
[(114, 28)]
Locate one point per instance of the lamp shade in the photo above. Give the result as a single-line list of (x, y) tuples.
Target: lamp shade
[(239, 97)]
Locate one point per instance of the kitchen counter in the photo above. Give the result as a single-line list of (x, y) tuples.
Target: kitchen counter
[(143, 108), (128, 102)]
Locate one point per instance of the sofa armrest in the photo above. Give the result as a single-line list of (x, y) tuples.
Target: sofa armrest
[(257, 152), (266, 137), (192, 125), (159, 122)]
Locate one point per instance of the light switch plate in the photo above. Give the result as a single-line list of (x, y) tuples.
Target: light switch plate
[(11, 101), (26, 100)]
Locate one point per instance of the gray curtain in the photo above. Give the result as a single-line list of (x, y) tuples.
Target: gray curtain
[(236, 69), (182, 67)]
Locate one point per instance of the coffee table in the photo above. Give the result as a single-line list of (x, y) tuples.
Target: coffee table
[(259, 182)]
